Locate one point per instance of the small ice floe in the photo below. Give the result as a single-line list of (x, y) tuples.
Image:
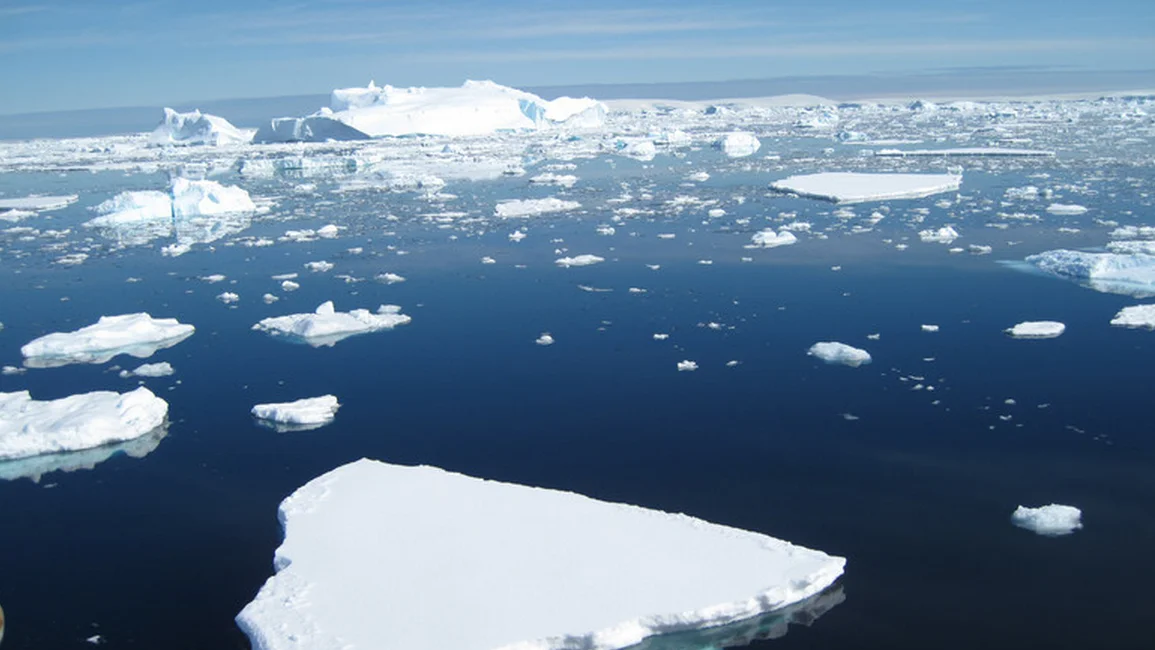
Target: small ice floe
[(1052, 520), (488, 260), (850, 187), (738, 144), (733, 363), (687, 365), (661, 337), (388, 278), (699, 177), (944, 235), (214, 278), (769, 239), (301, 415), (579, 260), (637, 290), (319, 267), (1040, 329), (1064, 208), (1135, 316), (977, 249), (839, 353), (544, 339), (289, 285), (666, 235), (874, 337), (590, 289), (705, 262), (9, 371), (366, 546), (228, 297), (326, 326), (33, 204), (269, 298), (138, 335), (606, 230), (30, 427), (516, 236), (561, 180), (162, 369), (929, 328), (328, 232), (516, 208)]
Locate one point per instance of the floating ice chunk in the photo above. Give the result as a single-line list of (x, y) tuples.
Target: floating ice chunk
[(133, 207), (195, 198), (770, 239), (29, 427), (138, 335), (488, 260), (193, 211), (162, 369), (516, 236), (1041, 329), (1027, 193), (533, 207), (562, 180), (197, 128), (687, 365), (977, 249), (851, 187), (606, 230), (661, 337), (228, 297), (327, 232), (644, 150), (739, 144), (699, 177), (944, 235), (303, 414), (37, 203), (579, 260), (834, 352), (389, 278), (289, 285), (929, 328), (1131, 274), (319, 267), (1052, 520), (367, 546), (544, 339), (214, 278), (326, 326), (1135, 316), (269, 298), (1061, 208)]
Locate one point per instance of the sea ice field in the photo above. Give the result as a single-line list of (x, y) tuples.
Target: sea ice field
[(470, 368)]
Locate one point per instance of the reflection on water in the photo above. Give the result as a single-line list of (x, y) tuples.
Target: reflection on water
[(36, 466), (139, 350), (185, 231), (284, 427), (759, 628)]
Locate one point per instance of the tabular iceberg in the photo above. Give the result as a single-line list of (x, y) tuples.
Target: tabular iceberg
[(834, 352), (303, 414), (197, 128), (376, 555), (138, 335), (326, 326), (29, 427), (475, 108), (1126, 274), (852, 187)]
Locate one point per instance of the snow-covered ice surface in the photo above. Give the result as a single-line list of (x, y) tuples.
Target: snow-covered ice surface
[(1051, 520), (30, 427), (299, 415), (367, 546), (1135, 316), (139, 335), (1040, 329), (326, 326), (856, 187), (839, 353)]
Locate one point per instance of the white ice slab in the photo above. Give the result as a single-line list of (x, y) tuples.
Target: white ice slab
[(38, 203), (579, 260), (308, 413), (852, 187), (138, 335), (1127, 274), (1041, 329), (326, 326), (1066, 208), (944, 235), (377, 555), (770, 239), (1135, 316), (1052, 520), (29, 427), (197, 128), (533, 207), (162, 369), (840, 353), (739, 144)]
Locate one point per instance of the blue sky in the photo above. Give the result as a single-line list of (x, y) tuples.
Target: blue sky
[(64, 54)]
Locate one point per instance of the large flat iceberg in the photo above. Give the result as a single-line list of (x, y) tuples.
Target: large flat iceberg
[(138, 335), (197, 128), (854, 187), (326, 326), (299, 415), (30, 427), (1126, 274), (474, 108), (376, 555)]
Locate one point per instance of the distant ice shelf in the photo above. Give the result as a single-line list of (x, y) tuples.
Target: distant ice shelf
[(854, 187), (326, 326), (369, 546), (300, 415), (139, 335)]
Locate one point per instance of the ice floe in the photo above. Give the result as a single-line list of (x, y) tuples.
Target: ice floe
[(532, 207), (1135, 316), (367, 547), (29, 205), (579, 260), (544, 339), (1052, 520), (1041, 329), (944, 235), (739, 144), (839, 353), (326, 326), (162, 369), (197, 128), (138, 335), (1126, 274), (300, 415), (192, 211), (1066, 208), (770, 239), (687, 365), (854, 187), (31, 427)]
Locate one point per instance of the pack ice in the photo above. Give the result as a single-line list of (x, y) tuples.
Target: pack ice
[(302, 414), (855, 187), (326, 326), (834, 352), (31, 427), (197, 128), (377, 555), (138, 335), (1126, 274), (475, 108)]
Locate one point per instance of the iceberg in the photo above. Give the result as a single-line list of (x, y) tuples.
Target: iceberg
[(738, 144), (326, 326), (35, 467), (533, 207), (1135, 316), (475, 108), (30, 427), (1125, 274), (138, 335), (301, 415), (1042, 329), (944, 235), (854, 187), (192, 211), (162, 369), (369, 546), (770, 239), (1051, 521), (196, 128), (579, 260), (834, 352)]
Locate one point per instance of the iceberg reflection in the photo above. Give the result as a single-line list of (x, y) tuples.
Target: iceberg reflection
[(139, 350), (35, 467)]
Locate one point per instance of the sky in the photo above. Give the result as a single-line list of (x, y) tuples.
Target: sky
[(77, 54)]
